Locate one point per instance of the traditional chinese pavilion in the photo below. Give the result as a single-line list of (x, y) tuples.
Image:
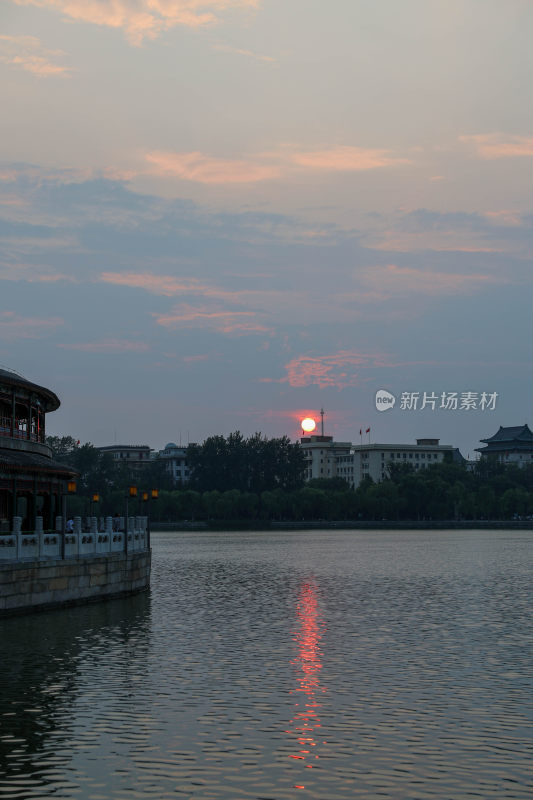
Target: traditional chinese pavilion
[(509, 445), (31, 483)]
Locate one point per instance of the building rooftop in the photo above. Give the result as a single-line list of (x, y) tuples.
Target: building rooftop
[(14, 379), (519, 433)]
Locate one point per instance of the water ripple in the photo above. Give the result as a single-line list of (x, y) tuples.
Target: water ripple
[(310, 664)]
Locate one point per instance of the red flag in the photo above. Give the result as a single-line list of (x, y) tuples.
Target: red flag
[(360, 431), (367, 430)]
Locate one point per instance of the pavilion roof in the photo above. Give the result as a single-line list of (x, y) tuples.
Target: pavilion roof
[(13, 379), (21, 461)]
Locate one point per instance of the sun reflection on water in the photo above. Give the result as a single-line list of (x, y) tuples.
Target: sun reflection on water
[(305, 723)]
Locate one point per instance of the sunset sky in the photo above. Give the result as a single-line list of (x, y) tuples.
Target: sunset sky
[(227, 214)]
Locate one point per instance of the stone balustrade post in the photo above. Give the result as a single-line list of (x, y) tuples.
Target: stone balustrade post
[(77, 525), (94, 525), (109, 525), (59, 524), (17, 527), (38, 525)]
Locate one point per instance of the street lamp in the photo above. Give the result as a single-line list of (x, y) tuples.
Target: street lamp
[(132, 492), (71, 489), (148, 497), (94, 499)]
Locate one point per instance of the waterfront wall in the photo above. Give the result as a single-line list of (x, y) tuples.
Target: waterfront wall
[(42, 584), (47, 569)]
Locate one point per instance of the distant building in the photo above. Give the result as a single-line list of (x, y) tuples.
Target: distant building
[(135, 456), (321, 454), (328, 459), (175, 459), (509, 446)]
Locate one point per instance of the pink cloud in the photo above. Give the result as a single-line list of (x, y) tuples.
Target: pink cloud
[(15, 326), (440, 241), (108, 346), (170, 286), (240, 322), (391, 280), (142, 19), (499, 145), (345, 159), (195, 359), (337, 369), (32, 273), (166, 285), (225, 48), (200, 168), (507, 217), (27, 53)]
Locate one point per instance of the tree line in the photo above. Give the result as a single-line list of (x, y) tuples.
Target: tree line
[(258, 479)]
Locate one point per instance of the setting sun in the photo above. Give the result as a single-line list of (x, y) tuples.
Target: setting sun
[(308, 424)]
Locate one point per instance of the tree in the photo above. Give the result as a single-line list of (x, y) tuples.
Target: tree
[(256, 464), (63, 448)]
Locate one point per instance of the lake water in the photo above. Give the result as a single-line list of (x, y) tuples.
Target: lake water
[(319, 664)]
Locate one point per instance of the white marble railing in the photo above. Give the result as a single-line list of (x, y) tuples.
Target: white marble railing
[(97, 540)]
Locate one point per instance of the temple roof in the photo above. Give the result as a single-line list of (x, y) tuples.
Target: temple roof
[(13, 379), (517, 438), (22, 461), (519, 433)]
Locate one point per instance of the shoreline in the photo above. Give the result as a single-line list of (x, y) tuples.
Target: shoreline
[(262, 525)]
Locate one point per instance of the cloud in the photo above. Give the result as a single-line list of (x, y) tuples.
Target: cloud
[(15, 326), (27, 53), (142, 19), (223, 321), (499, 145), (32, 273), (337, 369), (108, 346), (201, 168), (506, 217), (345, 159), (226, 48), (422, 230), (170, 286), (205, 169), (195, 359), (390, 280), (451, 241)]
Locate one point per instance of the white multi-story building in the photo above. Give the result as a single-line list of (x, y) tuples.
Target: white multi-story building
[(321, 454), (328, 459), (175, 458)]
